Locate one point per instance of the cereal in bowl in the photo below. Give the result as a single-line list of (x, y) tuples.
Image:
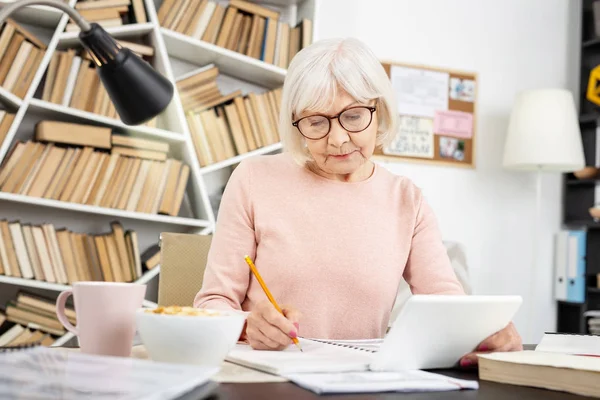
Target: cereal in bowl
[(183, 310)]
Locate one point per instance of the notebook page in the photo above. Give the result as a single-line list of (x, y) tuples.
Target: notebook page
[(315, 357), (371, 345), (372, 382)]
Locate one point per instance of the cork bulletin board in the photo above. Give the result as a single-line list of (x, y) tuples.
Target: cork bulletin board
[(436, 110)]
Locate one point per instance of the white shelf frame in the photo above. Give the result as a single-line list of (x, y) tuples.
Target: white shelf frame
[(149, 132), (72, 38), (59, 287), (113, 212), (234, 160), (168, 44)]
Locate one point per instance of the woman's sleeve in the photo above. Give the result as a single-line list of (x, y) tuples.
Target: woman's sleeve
[(428, 270), (227, 275)]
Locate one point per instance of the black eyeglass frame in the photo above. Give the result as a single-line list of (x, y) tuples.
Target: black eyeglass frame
[(372, 109)]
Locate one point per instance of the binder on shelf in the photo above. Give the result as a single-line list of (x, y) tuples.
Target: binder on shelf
[(560, 266), (576, 266)]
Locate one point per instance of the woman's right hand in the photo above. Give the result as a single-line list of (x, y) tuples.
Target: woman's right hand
[(267, 329)]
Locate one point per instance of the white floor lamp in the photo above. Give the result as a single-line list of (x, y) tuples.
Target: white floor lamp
[(543, 136)]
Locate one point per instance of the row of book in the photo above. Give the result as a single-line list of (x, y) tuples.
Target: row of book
[(125, 177), (44, 253), (21, 54), (110, 13), (242, 26), (31, 320), (223, 126), (71, 80)]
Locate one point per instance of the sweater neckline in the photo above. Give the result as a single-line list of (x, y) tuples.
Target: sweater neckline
[(338, 182)]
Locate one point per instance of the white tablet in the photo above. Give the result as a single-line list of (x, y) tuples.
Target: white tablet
[(435, 331)]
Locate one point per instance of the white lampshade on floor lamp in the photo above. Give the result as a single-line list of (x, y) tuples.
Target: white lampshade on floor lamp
[(543, 136)]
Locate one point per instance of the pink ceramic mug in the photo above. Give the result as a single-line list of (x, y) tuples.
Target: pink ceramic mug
[(105, 313)]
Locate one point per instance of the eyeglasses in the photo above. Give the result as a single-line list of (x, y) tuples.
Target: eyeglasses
[(353, 119)]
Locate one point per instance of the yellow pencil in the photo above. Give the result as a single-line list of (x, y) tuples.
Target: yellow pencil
[(267, 292)]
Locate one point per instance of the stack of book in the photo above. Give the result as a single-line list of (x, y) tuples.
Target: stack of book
[(44, 253), (71, 80), (109, 170), (242, 26), (223, 126), (593, 321), (6, 120), (110, 13), (21, 54), (31, 319)]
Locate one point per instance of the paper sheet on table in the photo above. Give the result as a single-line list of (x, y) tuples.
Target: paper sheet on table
[(372, 382), (420, 92), (43, 373), (233, 373)]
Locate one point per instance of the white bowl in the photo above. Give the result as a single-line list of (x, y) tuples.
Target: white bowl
[(199, 340)]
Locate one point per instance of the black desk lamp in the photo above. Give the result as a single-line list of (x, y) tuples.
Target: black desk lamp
[(138, 92)]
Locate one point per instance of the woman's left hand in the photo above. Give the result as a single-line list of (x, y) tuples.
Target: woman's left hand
[(508, 339)]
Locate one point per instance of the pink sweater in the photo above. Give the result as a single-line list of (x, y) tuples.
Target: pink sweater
[(334, 250)]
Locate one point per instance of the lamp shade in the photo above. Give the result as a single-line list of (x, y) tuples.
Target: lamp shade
[(543, 132), (138, 92)]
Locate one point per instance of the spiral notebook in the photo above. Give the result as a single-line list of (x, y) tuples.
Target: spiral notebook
[(316, 356)]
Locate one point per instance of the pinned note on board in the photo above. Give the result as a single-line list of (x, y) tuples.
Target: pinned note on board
[(419, 92), (414, 138), (453, 123)]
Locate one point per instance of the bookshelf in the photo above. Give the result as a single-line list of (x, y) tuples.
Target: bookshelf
[(581, 194), (175, 56)]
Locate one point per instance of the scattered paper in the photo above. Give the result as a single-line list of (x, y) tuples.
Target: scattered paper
[(233, 373), (44, 373), (453, 123), (419, 92), (462, 89), (372, 382), (414, 138)]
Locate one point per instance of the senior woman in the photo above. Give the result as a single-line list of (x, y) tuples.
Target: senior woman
[(331, 232)]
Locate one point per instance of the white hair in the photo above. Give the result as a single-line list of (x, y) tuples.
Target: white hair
[(316, 74)]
